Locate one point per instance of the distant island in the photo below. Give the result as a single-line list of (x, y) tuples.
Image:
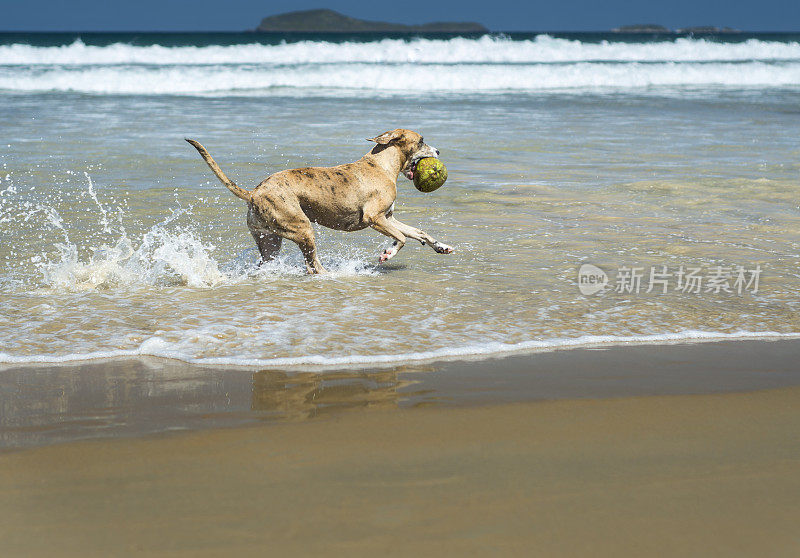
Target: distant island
[(655, 28), (329, 21), (707, 29), (642, 28)]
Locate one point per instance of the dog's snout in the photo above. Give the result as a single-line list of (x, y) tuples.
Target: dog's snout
[(437, 151)]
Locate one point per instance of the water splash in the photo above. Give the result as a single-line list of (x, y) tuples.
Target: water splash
[(102, 254), (162, 258)]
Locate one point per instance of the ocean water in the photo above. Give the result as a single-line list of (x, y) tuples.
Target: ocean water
[(654, 159)]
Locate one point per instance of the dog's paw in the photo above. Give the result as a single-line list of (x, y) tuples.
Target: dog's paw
[(443, 248), (389, 253)]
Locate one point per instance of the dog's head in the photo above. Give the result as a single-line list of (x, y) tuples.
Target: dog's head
[(411, 146)]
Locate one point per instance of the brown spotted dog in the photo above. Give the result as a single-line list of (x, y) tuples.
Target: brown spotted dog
[(349, 197)]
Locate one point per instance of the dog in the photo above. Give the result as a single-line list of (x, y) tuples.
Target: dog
[(350, 197)]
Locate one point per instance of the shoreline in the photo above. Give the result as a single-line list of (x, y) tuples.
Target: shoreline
[(46, 404), (473, 353)]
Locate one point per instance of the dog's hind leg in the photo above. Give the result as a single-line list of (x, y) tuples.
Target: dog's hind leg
[(268, 242), (421, 236), (292, 224), (303, 236)]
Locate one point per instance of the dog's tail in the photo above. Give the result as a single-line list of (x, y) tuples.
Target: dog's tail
[(212, 164)]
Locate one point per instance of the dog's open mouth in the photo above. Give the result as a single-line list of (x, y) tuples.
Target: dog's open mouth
[(411, 169)]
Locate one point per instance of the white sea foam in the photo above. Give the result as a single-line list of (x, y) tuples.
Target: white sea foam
[(487, 49), (394, 65), (335, 79), (157, 347)]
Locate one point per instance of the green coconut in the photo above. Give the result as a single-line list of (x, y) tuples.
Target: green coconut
[(429, 174)]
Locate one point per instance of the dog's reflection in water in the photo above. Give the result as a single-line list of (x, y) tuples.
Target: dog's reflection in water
[(307, 394)]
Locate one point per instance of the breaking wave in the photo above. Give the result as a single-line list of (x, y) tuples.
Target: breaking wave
[(459, 50), (489, 63)]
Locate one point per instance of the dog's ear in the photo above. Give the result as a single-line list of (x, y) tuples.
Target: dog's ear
[(387, 137)]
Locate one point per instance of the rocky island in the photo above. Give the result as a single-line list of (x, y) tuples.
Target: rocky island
[(329, 21), (656, 29), (705, 30), (642, 28)]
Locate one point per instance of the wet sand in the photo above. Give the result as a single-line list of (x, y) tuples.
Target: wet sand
[(45, 404), (618, 474), (702, 475)]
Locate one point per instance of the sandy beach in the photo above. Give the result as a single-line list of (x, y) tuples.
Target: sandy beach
[(708, 475), (698, 473)]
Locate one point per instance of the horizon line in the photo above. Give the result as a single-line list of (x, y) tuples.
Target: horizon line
[(491, 31)]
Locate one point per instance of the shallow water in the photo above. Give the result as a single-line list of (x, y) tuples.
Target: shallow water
[(117, 240)]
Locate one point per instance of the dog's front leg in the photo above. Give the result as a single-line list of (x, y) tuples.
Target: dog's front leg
[(421, 236), (384, 226)]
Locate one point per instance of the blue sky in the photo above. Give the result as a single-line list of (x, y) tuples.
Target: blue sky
[(498, 15)]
